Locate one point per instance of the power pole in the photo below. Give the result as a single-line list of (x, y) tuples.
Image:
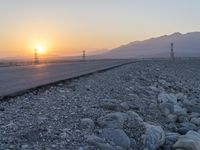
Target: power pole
[(84, 56), (172, 52), (36, 60)]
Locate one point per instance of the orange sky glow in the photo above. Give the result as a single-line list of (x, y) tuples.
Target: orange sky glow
[(66, 27)]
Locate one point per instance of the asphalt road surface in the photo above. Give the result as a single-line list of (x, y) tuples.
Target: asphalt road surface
[(16, 80)]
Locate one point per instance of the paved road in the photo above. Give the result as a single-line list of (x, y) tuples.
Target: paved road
[(15, 80)]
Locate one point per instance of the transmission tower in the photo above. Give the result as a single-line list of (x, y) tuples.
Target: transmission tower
[(36, 60), (84, 55), (172, 51)]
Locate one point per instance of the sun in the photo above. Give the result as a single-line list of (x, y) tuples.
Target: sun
[(40, 49)]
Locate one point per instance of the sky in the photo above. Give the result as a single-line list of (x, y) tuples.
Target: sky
[(66, 27)]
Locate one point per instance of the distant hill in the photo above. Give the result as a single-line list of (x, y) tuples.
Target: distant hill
[(185, 45)]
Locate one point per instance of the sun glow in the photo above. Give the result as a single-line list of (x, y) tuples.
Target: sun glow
[(40, 49)]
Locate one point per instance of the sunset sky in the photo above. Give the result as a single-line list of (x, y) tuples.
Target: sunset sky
[(66, 27)]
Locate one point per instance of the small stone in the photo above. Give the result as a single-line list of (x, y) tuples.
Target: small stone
[(164, 97), (166, 108), (116, 136), (178, 110), (112, 120), (172, 127), (152, 105), (195, 121), (133, 143), (25, 146), (87, 123), (182, 119), (124, 106), (172, 117), (179, 96), (111, 104), (2, 109), (153, 88), (81, 148), (192, 108), (171, 137), (98, 142), (185, 127), (194, 115), (163, 82), (133, 119), (190, 141), (63, 135)]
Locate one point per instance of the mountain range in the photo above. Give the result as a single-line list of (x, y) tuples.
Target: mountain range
[(185, 45)]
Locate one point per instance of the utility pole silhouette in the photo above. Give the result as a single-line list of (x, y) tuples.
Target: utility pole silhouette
[(36, 60), (84, 55), (172, 52)]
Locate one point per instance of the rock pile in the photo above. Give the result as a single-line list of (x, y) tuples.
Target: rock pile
[(148, 105)]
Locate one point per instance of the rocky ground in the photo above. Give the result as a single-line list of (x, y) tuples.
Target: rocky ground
[(145, 105)]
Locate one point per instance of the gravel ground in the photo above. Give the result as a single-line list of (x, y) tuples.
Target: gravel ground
[(50, 117)]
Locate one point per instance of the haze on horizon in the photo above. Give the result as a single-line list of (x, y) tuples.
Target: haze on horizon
[(66, 27)]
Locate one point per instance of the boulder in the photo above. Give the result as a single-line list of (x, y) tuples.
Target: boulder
[(133, 119), (110, 104), (182, 119), (87, 123), (191, 107), (112, 120), (164, 97), (172, 117), (167, 108), (178, 110), (194, 115), (185, 127), (117, 136), (171, 137), (190, 141), (154, 137), (195, 121), (98, 142)]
